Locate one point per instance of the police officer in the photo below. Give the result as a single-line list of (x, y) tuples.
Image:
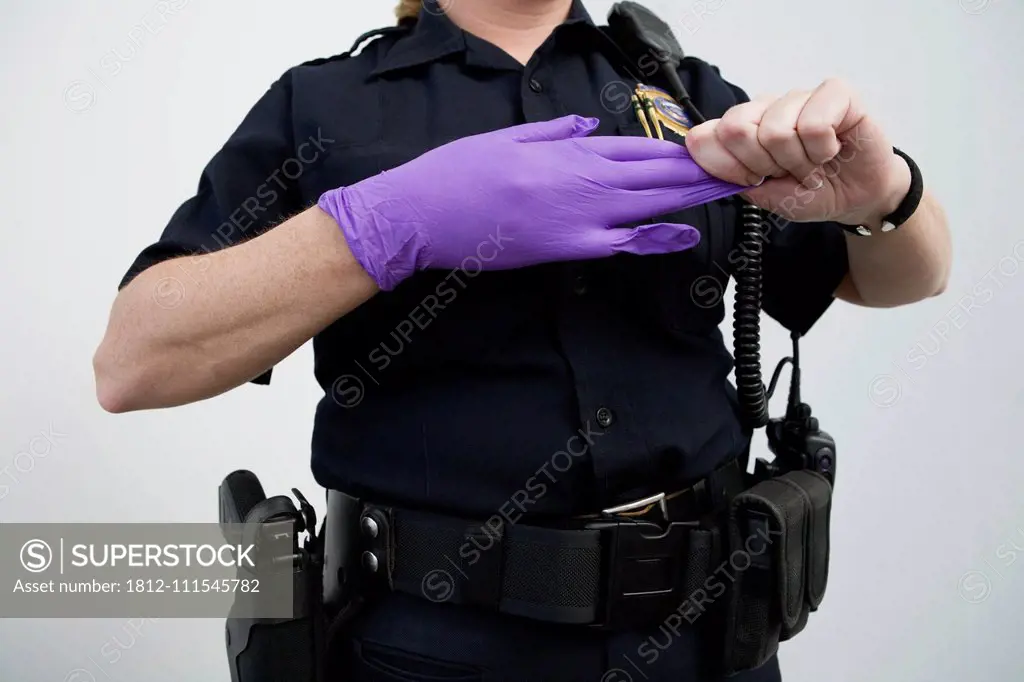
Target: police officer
[(435, 213)]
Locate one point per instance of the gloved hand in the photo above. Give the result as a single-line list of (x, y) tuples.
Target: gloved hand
[(525, 195)]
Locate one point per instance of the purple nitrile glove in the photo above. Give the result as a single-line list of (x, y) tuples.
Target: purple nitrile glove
[(530, 194)]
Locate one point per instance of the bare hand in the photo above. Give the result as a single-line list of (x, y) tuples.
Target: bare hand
[(822, 156)]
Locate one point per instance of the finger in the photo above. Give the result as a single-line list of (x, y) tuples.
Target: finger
[(653, 174), (564, 128), (778, 196), (649, 239), (712, 155), (777, 134), (631, 206), (824, 114), (630, 148), (737, 132)]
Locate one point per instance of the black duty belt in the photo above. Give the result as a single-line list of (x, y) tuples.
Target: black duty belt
[(625, 567)]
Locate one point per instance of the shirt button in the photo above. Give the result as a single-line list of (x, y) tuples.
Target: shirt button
[(604, 417), (579, 285), (535, 85)]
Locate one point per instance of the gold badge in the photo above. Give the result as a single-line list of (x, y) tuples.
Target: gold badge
[(656, 109)]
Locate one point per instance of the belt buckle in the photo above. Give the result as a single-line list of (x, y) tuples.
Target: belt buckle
[(643, 565), (642, 503)]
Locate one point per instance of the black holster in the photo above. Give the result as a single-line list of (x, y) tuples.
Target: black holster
[(276, 649)]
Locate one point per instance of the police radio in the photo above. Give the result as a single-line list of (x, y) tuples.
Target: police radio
[(795, 440), (785, 511)]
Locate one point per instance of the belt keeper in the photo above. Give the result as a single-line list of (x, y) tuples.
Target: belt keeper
[(481, 566), (378, 543)]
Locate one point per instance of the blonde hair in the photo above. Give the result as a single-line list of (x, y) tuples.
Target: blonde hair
[(408, 10)]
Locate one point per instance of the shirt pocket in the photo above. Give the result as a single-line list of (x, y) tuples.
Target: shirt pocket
[(680, 293), (348, 165)]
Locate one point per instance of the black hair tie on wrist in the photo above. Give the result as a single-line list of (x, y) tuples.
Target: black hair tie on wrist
[(906, 208)]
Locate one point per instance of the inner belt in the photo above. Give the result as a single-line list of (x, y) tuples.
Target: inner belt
[(617, 569)]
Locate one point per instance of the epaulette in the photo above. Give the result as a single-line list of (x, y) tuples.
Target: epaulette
[(387, 30)]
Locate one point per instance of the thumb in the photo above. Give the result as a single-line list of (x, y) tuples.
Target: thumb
[(653, 239), (556, 129)]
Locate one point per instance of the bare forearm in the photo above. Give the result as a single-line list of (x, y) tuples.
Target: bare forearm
[(903, 266), (194, 327)]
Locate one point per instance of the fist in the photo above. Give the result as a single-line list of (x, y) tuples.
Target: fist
[(807, 156)]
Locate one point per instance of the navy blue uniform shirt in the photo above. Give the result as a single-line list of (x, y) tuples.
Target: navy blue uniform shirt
[(462, 391)]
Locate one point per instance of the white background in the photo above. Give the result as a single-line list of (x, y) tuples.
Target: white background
[(925, 402)]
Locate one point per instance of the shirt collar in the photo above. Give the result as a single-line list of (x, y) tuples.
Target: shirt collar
[(578, 14), (436, 36)]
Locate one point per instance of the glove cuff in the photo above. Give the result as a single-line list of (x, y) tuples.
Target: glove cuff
[(362, 242)]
